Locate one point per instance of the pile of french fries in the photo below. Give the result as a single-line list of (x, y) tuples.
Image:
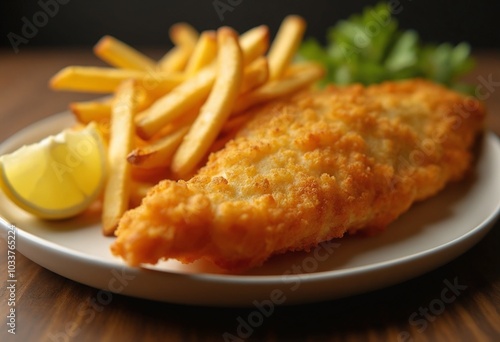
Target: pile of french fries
[(164, 117)]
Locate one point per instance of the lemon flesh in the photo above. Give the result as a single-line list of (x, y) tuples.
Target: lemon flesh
[(57, 177)]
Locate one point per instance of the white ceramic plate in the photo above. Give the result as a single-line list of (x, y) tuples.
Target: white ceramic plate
[(430, 234)]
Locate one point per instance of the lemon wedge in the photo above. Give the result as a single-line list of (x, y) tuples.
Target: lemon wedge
[(57, 177)]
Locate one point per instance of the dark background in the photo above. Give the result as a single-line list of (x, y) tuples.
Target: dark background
[(146, 23)]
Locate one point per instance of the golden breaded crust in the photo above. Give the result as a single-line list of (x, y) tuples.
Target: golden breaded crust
[(308, 169)]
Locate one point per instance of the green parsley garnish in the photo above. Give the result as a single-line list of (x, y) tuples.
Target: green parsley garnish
[(369, 48)]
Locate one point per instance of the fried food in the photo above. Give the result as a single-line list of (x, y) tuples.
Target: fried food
[(216, 110), (117, 189), (315, 166)]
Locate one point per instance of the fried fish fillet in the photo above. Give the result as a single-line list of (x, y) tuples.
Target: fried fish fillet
[(316, 166)]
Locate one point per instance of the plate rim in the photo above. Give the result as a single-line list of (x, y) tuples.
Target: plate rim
[(470, 238)]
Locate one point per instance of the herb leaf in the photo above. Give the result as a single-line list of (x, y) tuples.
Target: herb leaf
[(369, 48)]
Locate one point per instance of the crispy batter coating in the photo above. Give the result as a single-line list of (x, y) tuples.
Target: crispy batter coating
[(316, 166)]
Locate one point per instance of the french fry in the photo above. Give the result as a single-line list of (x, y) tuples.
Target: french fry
[(203, 54), (254, 43), (255, 75), (285, 45), (217, 109), (92, 79), (183, 98), (174, 104), (157, 84), (183, 34), (186, 119), (158, 153), (120, 55), (175, 59), (117, 189), (298, 77), (86, 112), (106, 80), (184, 37)]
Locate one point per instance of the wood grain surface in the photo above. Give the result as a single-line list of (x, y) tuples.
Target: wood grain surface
[(52, 308)]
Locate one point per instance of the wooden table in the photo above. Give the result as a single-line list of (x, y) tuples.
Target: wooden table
[(52, 308)]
